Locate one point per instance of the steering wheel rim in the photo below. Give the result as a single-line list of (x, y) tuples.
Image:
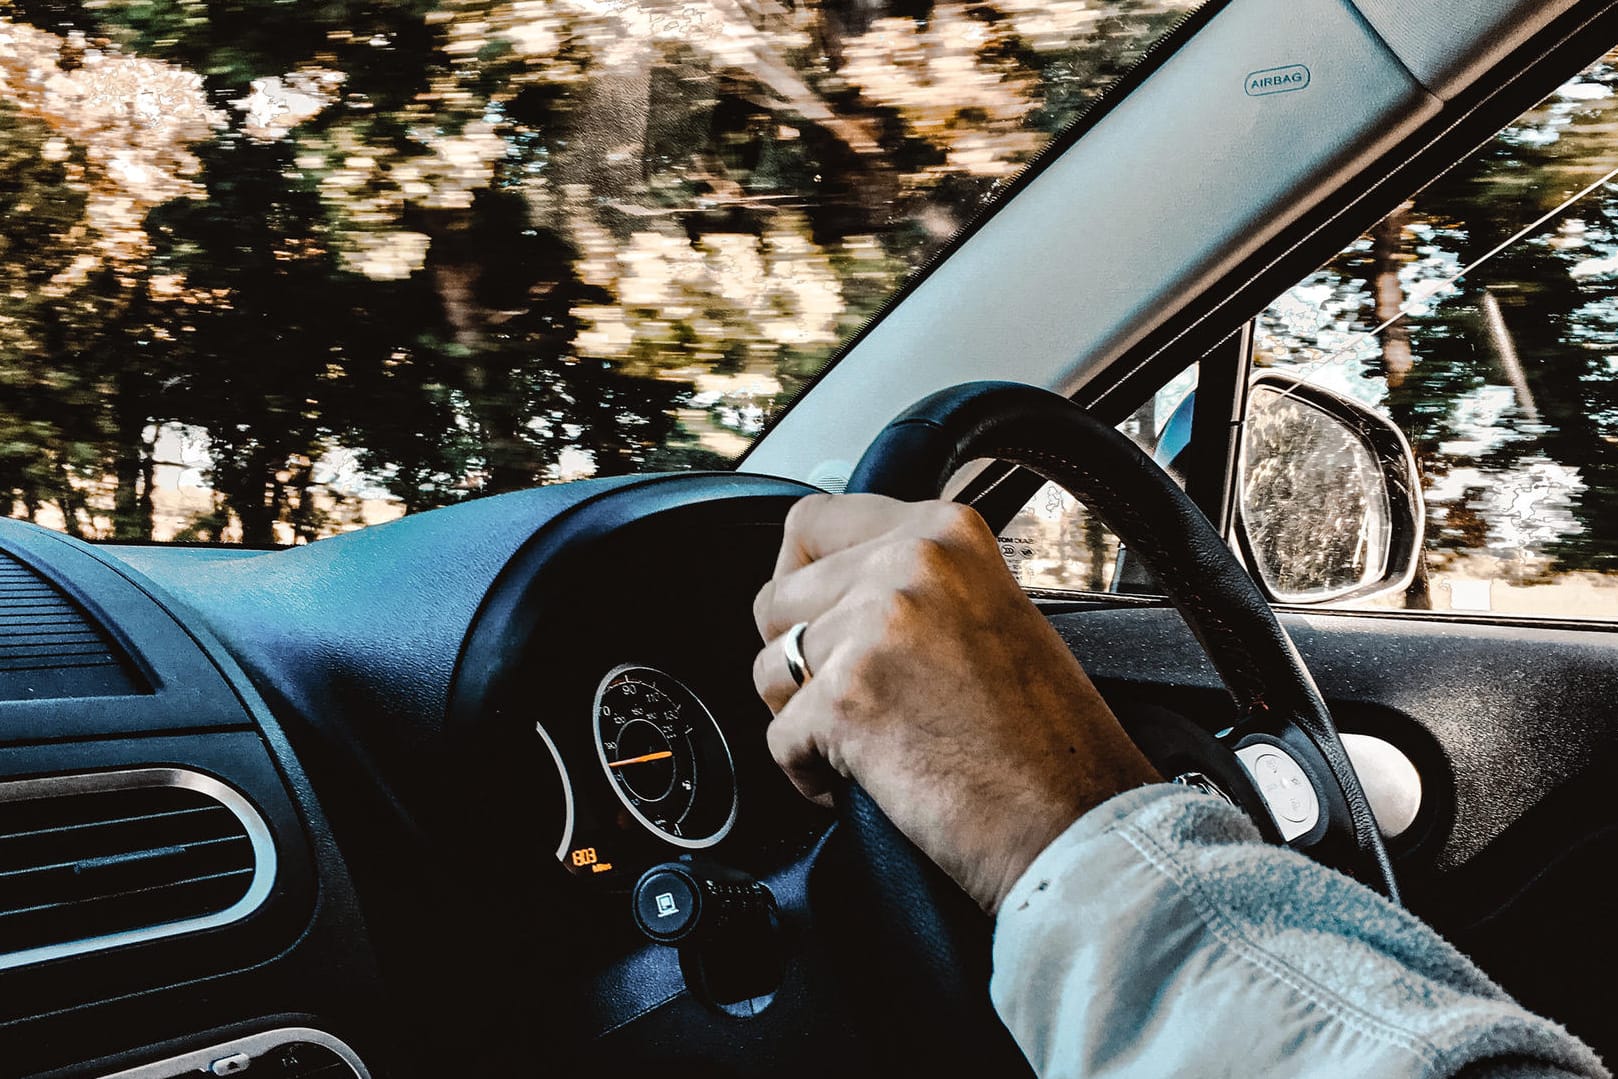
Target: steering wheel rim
[(911, 459)]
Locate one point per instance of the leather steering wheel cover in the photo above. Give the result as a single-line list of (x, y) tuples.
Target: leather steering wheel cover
[(916, 454)]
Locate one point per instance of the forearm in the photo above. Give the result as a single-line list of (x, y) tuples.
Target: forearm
[(1160, 936)]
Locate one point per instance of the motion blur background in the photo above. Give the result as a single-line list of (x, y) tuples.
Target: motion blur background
[(269, 271), (272, 270)]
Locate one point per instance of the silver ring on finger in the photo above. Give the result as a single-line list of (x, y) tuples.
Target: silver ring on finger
[(792, 645)]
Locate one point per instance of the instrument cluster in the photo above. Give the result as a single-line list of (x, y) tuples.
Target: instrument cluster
[(650, 769)]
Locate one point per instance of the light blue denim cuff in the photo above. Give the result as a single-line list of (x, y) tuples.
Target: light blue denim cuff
[(1057, 855)]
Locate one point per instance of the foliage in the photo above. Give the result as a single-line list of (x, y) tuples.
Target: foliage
[(273, 270), (1506, 380)]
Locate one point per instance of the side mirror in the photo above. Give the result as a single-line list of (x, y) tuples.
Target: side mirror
[(1329, 503)]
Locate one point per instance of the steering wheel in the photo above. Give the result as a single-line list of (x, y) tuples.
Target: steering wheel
[(936, 940)]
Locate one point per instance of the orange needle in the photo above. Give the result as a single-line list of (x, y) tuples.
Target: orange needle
[(643, 758)]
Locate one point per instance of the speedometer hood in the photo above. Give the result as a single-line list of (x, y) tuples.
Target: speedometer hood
[(356, 638)]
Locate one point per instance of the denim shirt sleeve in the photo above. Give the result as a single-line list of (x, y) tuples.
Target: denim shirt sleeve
[(1159, 935)]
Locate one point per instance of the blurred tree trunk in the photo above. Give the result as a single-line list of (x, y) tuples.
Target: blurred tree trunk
[(1095, 535), (132, 499), (252, 498), (148, 478), (1419, 592), (1387, 291), (1388, 257), (305, 516), (127, 521), (71, 501)]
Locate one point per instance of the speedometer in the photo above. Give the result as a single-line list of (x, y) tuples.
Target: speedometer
[(664, 756)]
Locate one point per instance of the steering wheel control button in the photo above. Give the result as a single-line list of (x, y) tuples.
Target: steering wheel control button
[(667, 904), (677, 901), (1285, 787), (726, 926), (235, 1064)]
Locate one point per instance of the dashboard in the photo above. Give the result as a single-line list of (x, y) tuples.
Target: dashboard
[(386, 805), (395, 790)]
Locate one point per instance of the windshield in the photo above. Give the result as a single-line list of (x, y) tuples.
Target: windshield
[(274, 271)]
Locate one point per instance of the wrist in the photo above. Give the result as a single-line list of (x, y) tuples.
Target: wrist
[(1040, 826)]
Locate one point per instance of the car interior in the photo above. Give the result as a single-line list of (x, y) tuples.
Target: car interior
[(485, 790)]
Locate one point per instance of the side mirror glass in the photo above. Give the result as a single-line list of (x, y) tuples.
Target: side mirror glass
[(1329, 500)]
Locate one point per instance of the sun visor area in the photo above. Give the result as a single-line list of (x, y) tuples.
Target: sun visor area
[(1269, 106), (1446, 46)]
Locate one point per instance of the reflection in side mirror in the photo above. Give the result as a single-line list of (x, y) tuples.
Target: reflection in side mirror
[(1329, 499), (1313, 499)]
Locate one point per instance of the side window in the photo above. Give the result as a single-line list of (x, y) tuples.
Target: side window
[(1482, 317), (1054, 543)]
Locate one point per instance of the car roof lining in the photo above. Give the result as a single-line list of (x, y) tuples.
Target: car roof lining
[(1054, 289)]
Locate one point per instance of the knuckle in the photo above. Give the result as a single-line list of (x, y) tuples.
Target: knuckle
[(761, 606), (859, 690), (840, 684), (761, 676), (925, 557), (802, 512), (953, 519), (901, 612), (963, 526)]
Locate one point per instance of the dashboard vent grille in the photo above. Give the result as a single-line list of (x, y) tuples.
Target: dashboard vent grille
[(303, 1060), (94, 861), (289, 1053), (48, 647)]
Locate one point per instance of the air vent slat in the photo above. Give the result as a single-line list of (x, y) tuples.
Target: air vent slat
[(100, 856), (87, 879), (50, 623), (105, 915), (38, 846), (63, 905), (51, 663), (36, 609), (83, 866), (99, 823), (26, 661), (49, 631), (32, 649)]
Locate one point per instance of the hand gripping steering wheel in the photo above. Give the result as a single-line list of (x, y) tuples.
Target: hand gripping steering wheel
[(935, 939)]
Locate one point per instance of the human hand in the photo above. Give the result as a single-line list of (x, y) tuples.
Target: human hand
[(936, 685)]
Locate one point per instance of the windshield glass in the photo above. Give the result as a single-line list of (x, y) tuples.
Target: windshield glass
[(274, 271)]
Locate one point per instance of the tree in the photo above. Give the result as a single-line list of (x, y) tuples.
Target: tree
[(1507, 381), (454, 247)]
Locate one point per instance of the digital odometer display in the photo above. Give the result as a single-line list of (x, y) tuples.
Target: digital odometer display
[(664, 756)]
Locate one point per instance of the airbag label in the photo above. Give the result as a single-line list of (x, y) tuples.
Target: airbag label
[(1277, 80)]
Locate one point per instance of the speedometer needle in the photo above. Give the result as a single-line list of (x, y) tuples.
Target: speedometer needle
[(642, 759)]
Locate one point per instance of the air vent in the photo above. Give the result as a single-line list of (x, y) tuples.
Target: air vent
[(49, 648), (290, 1053), (109, 858)]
